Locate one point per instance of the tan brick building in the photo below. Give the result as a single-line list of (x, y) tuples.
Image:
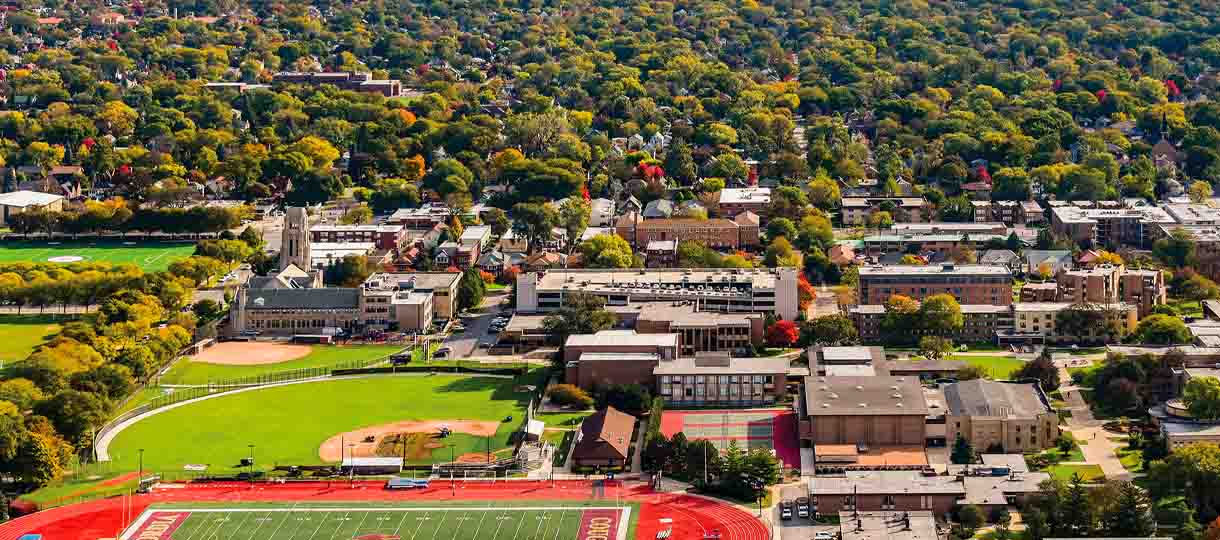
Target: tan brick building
[(873, 411), (741, 232), (1016, 417), (616, 357), (969, 284), (885, 490), (698, 331), (719, 379), (1108, 284), (905, 209)]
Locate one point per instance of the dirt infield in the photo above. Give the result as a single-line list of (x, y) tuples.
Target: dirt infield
[(250, 353), (332, 449)]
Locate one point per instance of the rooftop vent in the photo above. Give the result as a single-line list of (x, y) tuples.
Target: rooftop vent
[(833, 396), (859, 387), (863, 405), (825, 405), (899, 405), (894, 387), (896, 395)]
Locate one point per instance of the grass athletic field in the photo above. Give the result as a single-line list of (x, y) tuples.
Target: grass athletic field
[(151, 256), (190, 372), (19, 334), (288, 424), (465, 521)]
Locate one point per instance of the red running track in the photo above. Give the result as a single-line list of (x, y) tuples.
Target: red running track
[(105, 518)]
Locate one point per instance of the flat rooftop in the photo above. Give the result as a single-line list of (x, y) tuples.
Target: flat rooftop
[(677, 280), (736, 366), (745, 195), (945, 269), (609, 338), (888, 525), (1146, 214), (356, 228), (847, 354), (682, 314), (1193, 213), (995, 490), (420, 280), (864, 396), (885, 483)]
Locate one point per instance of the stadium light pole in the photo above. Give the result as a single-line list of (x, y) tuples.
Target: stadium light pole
[(452, 461), (140, 478), (251, 465)]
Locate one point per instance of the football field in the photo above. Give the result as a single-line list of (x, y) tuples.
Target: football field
[(484, 521), (151, 256)]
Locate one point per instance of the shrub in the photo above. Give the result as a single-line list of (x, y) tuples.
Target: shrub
[(567, 394), (488, 277)]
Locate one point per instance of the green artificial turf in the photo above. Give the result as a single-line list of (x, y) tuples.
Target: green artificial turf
[(19, 334), (288, 423), (564, 419), (189, 372), (151, 256)]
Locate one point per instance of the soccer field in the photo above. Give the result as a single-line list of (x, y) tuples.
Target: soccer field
[(484, 521), (151, 256)]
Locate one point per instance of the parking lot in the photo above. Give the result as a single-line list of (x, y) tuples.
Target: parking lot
[(474, 338), (798, 528)]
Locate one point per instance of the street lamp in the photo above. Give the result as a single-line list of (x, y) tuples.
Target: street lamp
[(140, 478), (351, 472), (250, 465)]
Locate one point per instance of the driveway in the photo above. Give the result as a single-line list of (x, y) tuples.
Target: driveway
[(796, 528), (475, 337)]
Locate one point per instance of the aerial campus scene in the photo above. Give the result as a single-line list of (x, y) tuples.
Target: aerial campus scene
[(609, 270)]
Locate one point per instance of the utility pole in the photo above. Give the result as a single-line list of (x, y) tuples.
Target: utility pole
[(452, 462)]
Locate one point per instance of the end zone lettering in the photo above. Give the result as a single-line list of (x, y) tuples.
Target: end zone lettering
[(599, 524), (159, 526)]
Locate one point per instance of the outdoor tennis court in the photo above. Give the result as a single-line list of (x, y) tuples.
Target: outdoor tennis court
[(766, 429), (432, 522)]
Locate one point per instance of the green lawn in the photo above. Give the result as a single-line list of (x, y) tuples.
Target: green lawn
[(1088, 473), (287, 424), (1132, 460), (19, 334), (151, 256), (564, 419), (997, 367), (188, 372)]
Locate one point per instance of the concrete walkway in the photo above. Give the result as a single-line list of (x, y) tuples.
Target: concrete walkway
[(1099, 450)]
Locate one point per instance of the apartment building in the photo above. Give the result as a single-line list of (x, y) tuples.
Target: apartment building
[(969, 284), (424, 217), (408, 301), (1008, 212), (359, 82), (741, 232), (1207, 246), (902, 209), (946, 227), (615, 357), (1109, 227), (865, 410), (878, 244), (980, 322), (1008, 416), (734, 201), (1108, 284), (1036, 322), (716, 378), (387, 237), (728, 290)]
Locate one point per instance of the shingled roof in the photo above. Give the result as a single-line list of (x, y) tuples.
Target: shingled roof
[(330, 298), (981, 397), (606, 434)]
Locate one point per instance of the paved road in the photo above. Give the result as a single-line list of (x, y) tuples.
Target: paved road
[(466, 344), (796, 528)]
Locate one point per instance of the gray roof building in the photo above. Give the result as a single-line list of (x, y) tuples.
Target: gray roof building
[(981, 397)]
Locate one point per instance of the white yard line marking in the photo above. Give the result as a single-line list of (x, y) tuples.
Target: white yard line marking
[(260, 525), (624, 522), (517, 533), (400, 522), (340, 526), (444, 515), (421, 524), (480, 527), (300, 522)]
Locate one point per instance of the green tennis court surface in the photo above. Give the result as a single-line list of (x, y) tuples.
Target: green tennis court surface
[(750, 430), (435, 522)]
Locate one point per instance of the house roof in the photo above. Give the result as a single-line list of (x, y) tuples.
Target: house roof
[(605, 434), (981, 397), (659, 208), (998, 256)]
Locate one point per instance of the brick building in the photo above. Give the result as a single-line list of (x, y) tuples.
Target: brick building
[(856, 210), (718, 379), (734, 201), (359, 82), (389, 237), (1109, 227), (741, 232), (1108, 284), (873, 411), (1008, 212), (616, 357), (698, 331), (870, 491), (969, 284), (1015, 417), (980, 322)]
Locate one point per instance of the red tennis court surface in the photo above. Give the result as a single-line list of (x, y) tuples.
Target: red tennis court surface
[(768, 429), (692, 517)]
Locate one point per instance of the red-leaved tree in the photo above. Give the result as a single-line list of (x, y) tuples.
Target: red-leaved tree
[(782, 334)]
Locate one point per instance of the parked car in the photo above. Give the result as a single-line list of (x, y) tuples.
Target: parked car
[(441, 352), (802, 507), (823, 535), (785, 510)]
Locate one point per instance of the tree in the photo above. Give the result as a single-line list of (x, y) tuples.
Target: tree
[(75, 414), (780, 253), (1132, 515), (471, 290), (824, 192), (941, 314), (581, 314), (1199, 191), (534, 222), (1161, 330), (350, 271), (1202, 397), (829, 330), (357, 216), (781, 227), (569, 395), (782, 333), (497, 219), (22, 393), (1043, 369), (970, 516), (632, 399), (971, 372), (1177, 250), (880, 220), (574, 217), (962, 453), (1077, 515), (1198, 287), (679, 164), (935, 347), (607, 251)]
